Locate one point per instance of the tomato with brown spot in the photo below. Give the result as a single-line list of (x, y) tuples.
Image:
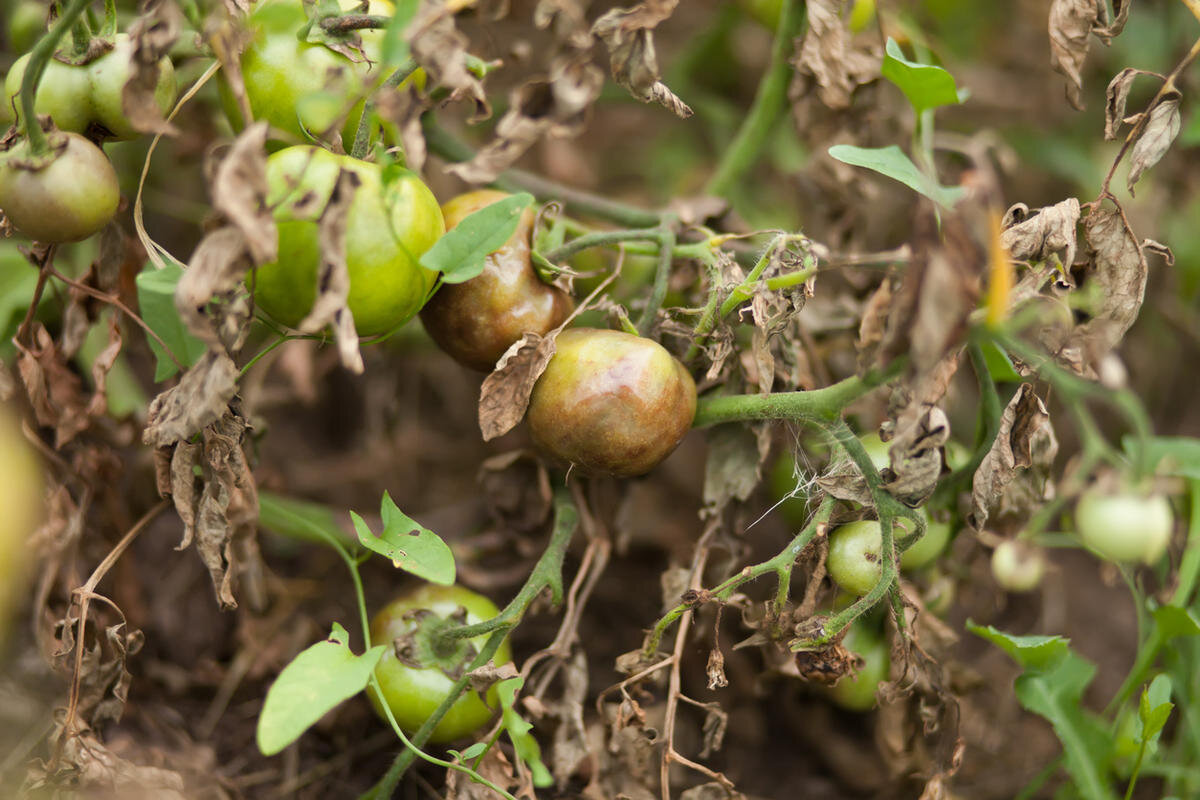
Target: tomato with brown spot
[(611, 403)]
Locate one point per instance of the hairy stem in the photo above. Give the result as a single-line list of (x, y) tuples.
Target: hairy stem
[(662, 277)]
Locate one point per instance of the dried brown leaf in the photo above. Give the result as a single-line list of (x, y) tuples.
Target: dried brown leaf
[(494, 766), (919, 434), (733, 468), (827, 54), (1034, 237), (1119, 266), (54, 389), (200, 399), (215, 272), (570, 750), (1116, 96), (239, 192), (441, 50), (1071, 24), (402, 107), (151, 37), (1158, 134), (626, 32), (1019, 444), (504, 395), (91, 769)]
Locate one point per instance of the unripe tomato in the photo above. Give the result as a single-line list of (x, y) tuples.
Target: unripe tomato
[(391, 222), (477, 320), (21, 499), (68, 198), (611, 403), (414, 692), (855, 552), (857, 692), (1018, 566), (299, 86), (25, 26), (1125, 525), (877, 449), (87, 98)]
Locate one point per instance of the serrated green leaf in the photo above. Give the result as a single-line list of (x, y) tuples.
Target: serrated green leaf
[(411, 546), (999, 364), (524, 745), (156, 300), (925, 85), (395, 50), (1168, 455), (1036, 653), (461, 253), (1172, 621), (892, 162), (317, 680)]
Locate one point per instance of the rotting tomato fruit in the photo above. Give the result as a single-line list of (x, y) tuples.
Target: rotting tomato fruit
[(415, 683), (20, 497), (477, 320), (857, 692), (611, 403), (67, 195), (301, 87), (88, 98), (1125, 525), (855, 552), (390, 223)]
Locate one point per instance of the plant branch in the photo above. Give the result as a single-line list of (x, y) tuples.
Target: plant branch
[(769, 103), (662, 277), (39, 57)]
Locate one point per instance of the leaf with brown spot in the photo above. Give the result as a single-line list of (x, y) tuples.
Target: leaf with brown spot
[(1034, 237), (199, 399), (402, 108), (1116, 96), (151, 36), (1071, 24), (1119, 266), (837, 66), (1024, 423), (239, 192), (733, 468), (54, 389), (919, 434), (504, 395), (626, 32), (1156, 138), (441, 50)]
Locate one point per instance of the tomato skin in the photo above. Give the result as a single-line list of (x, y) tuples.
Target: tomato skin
[(1017, 566), (611, 403), (391, 222), (413, 694), (857, 692), (21, 499), (854, 551), (1125, 525), (69, 199), (284, 76), (476, 321), (89, 95)]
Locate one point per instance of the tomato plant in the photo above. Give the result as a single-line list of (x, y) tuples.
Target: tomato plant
[(64, 197), (1125, 525), (392, 220), (416, 682), (477, 320), (611, 403), (87, 98)]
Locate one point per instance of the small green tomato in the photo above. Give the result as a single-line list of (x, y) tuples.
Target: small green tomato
[(1018, 566), (857, 692), (854, 552), (1125, 526)]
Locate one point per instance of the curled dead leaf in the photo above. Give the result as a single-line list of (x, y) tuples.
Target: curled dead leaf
[(627, 33), (828, 56), (1025, 439), (504, 395), (1035, 236), (1156, 137), (1071, 24)]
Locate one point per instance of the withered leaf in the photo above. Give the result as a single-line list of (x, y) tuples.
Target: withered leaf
[(1071, 23), (402, 107), (101, 366), (483, 678), (54, 389), (93, 767), (441, 50), (216, 270), (1020, 441), (1119, 266), (1034, 237), (626, 32), (200, 399), (1158, 134), (1116, 96), (239, 192), (827, 55), (504, 395), (151, 37), (734, 465), (915, 455), (570, 747)]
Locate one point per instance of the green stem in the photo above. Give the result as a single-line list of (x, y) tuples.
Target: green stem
[(442, 143), (769, 103), (39, 57), (362, 134), (662, 277), (818, 404), (601, 239), (258, 356)]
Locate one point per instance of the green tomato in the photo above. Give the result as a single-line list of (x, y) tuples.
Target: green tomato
[(21, 499), (87, 98), (877, 449), (1018, 566), (66, 199), (1125, 526), (26, 25), (476, 321), (926, 549), (855, 552), (391, 222), (301, 88), (414, 691), (857, 692), (611, 403)]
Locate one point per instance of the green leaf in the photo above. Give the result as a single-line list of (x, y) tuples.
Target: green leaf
[(472, 752), (925, 85), (999, 364), (1154, 710), (1052, 686), (1173, 621), (316, 681), (156, 299), (411, 546), (892, 162), (395, 47), (460, 254), (524, 745), (1168, 455)]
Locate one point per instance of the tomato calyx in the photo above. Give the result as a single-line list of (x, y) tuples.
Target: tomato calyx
[(96, 47), (426, 646)]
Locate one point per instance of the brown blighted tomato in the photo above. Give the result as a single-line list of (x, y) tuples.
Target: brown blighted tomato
[(476, 321), (611, 402)]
